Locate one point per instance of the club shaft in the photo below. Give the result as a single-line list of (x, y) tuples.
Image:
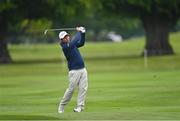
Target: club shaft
[(61, 29), (45, 32)]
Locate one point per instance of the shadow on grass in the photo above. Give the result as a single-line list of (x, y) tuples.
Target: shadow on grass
[(37, 61), (94, 58), (27, 117), (112, 57)]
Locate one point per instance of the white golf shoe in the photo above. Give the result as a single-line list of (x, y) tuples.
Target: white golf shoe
[(78, 109), (61, 109)]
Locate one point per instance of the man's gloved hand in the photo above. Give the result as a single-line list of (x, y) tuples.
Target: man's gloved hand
[(81, 29)]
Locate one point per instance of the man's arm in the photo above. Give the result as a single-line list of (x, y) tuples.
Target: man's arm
[(79, 39)]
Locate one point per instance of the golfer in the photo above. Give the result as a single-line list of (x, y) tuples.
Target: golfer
[(77, 71)]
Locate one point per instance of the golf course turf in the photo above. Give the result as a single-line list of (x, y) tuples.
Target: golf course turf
[(120, 87)]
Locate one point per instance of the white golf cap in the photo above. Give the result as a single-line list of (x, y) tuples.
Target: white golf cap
[(62, 34)]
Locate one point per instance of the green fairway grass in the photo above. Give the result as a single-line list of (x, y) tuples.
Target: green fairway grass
[(120, 86)]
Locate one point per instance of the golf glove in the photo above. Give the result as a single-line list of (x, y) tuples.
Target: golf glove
[(81, 29)]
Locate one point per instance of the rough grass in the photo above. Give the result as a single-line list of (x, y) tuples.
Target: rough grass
[(120, 87)]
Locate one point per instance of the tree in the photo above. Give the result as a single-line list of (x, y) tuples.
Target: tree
[(157, 16), (14, 11), (4, 54)]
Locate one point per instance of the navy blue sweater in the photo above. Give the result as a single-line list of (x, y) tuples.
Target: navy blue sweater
[(71, 52)]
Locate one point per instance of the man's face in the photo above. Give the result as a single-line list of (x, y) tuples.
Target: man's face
[(66, 39)]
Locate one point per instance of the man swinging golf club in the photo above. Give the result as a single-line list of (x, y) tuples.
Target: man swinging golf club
[(77, 71)]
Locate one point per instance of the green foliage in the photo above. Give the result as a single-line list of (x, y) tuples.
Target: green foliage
[(6, 5), (95, 15), (141, 7), (64, 14)]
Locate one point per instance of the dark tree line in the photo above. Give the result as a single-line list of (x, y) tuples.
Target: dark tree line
[(157, 18)]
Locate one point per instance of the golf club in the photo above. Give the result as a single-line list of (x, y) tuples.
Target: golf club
[(45, 32)]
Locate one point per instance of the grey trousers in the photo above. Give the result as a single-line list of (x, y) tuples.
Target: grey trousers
[(77, 78)]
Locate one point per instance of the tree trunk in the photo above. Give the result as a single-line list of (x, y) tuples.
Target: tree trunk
[(157, 35), (4, 53)]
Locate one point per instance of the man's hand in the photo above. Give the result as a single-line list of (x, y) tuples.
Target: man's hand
[(81, 29)]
